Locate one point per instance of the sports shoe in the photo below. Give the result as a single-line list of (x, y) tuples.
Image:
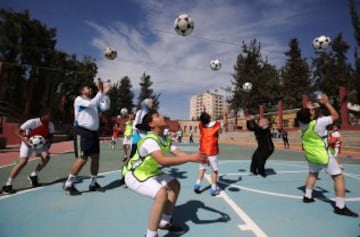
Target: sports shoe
[(197, 188), (173, 228), (95, 187), (72, 191), (308, 200), (214, 191), (7, 189), (345, 212), (34, 181)]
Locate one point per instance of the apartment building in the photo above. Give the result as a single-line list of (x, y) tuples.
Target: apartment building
[(212, 103)]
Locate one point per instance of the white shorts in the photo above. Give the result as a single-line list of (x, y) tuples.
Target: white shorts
[(213, 163), (332, 168), (26, 151), (126, 141), (149, 187)]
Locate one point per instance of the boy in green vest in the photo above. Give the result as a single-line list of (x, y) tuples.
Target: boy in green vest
[(315, 143), (142, 173)]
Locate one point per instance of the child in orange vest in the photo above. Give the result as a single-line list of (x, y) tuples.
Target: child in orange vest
[(335, 143), (209, 134)]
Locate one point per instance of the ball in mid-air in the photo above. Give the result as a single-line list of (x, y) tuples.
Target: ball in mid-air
[(124, 111), (184, 25), (110, 53), (215, 64), (37, 141), (321, 43), (247, 86)]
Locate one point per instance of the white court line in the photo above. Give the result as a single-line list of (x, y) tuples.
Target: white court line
[(249, 225), (5, 196)]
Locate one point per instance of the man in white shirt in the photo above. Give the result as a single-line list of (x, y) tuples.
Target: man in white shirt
[(86, 134)]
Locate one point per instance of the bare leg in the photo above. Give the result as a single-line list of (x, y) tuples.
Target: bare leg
[(157, 208), (18, 167)]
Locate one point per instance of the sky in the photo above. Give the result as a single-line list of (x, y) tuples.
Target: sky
[(142, 32)]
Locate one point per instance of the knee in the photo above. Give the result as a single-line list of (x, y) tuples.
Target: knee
[(175, 186), (161, 195)]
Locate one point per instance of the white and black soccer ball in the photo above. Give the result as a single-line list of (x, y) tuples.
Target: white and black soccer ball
[(247, 86), (215, 64), (321, 43), (110, 53), (184, 25), (37, 142), (124, 111)]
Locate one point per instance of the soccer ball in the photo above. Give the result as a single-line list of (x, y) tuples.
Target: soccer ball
[(37, 142), (184, 25), (215, 64), (321, 43), (124, 111), (110, 53), (247, 86)]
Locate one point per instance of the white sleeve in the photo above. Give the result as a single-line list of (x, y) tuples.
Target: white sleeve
[(149, 145), (137, 119), (30, 124), (104, 104), (89, 103)]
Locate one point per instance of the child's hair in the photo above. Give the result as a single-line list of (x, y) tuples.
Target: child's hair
[(303, 116), (205, 118), (144, 125)]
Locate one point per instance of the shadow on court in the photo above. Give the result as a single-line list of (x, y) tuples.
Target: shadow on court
[(188, 212)]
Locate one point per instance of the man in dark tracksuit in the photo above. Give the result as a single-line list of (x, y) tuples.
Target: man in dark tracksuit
[(265, 145)]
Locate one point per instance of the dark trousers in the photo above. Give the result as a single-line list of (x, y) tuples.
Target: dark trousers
[(258, 160)]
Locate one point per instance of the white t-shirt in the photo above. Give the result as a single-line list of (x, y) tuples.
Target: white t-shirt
[(87, 110), (35, 123), (150, 145)]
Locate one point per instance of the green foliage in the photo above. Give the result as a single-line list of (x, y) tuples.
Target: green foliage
[(121, 96), (147, 92), (36, 76), (251, 67), (294, 77)]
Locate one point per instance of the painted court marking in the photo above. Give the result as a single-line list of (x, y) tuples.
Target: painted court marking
[(249, 225)]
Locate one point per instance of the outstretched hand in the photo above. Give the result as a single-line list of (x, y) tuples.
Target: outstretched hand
[(107, 87), (199, 157), (100, 85)]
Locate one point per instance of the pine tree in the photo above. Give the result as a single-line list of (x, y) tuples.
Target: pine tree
[(147, 92), (294, 76)]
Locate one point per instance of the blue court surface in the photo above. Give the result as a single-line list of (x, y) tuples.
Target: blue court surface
[(247, 205)]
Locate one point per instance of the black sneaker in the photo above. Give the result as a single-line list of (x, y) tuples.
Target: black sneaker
[(34, 181), (95, 187), (345, 212), (308, 200), (72, 191), (173, 228), (7, 189)]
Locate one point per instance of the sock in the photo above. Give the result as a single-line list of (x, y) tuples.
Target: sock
[(165, 219), (213, 186), (93, 180), (70, 180), (340, 202), (198, 181), (34, 173), (308, 193), (151, 233), (9, 181)]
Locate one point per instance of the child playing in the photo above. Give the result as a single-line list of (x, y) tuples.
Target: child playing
[(209, 134)]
